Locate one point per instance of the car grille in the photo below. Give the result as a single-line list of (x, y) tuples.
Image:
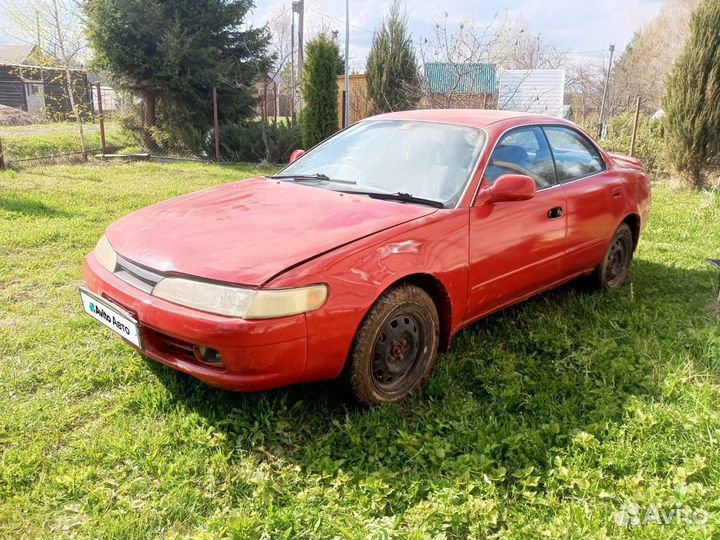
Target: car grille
[(136, 275)]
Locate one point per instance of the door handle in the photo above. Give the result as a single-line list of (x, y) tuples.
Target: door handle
[(616, 193), (555, 213)]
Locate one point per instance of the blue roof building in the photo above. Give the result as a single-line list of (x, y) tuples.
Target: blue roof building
[(461, 79)]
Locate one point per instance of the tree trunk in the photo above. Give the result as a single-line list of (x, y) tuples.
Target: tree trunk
[(68, 78), (149, 120), (76, 112)]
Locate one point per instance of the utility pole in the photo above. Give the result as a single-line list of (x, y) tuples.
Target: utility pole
[(298, 6), (347, 63), (37, 27), (301, 43), (605, 92), (292, 63)]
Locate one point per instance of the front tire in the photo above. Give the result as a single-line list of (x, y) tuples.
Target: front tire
[(395, 348), (613, 270)]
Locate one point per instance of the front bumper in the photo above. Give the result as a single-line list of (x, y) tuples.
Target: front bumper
[(257, 355)]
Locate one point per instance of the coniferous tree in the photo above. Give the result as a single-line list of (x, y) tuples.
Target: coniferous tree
[(172, 53), (320, 91), (392, 71), (692, 98)]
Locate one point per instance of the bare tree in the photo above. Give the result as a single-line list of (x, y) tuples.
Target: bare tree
[(515, 46), (462, 48), (280, 25), (645, 63), (584, 82), (53, 25)]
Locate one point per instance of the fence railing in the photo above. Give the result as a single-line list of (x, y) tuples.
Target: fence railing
[(213, 128), (120, 126)]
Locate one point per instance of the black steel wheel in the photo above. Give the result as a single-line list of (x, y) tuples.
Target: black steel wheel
[(614, 269), (395, 347)]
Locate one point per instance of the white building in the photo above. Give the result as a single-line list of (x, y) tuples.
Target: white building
[(540, 91)]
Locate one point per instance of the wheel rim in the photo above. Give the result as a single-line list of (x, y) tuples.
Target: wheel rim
[(618, 256), (398, 351)]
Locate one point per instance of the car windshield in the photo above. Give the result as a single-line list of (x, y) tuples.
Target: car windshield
[(422, 160)]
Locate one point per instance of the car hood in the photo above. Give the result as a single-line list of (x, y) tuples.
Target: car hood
[(249, 231)]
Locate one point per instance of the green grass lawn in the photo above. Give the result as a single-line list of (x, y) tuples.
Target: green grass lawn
[(542, 421), (40, 140)]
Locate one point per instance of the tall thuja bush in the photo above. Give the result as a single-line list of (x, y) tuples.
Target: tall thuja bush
[(392, 71), (319, 90), (692, 98)]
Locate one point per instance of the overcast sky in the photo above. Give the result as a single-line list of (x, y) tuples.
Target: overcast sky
[(581, 26)]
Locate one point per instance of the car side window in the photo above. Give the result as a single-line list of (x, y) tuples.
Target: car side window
[(522, 151), (575, 156)]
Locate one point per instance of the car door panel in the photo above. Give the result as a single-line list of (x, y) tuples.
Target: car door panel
[(594, 197), (515, 250), (593, 214)]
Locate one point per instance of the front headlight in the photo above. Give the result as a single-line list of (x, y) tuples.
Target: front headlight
[(105, 254), (270, 303), (238, 301)]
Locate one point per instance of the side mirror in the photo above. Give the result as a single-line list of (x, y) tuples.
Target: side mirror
[(513, 187), (296, 154)]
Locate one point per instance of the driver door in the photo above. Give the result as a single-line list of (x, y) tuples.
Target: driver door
[(516, 248)]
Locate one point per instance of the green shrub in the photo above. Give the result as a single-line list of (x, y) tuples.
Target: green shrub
[(649, 145), (247, 143), (319, 90)]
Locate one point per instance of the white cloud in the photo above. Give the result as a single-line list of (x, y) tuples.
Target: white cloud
[(580, 26)]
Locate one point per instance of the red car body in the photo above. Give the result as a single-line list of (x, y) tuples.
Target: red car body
[(473, 259)]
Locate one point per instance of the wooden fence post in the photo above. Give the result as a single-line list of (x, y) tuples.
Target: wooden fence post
[(216, 124), (635, 127), (101, 118), (2, 157)]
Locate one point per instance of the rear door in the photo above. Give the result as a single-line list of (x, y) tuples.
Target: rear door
[(594, 197), (516, 247)]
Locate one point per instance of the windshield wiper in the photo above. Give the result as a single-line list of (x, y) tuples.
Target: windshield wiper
[(311, 177), (399, 196)]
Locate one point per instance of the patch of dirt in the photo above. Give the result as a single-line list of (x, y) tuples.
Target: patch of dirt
[(14, 117)]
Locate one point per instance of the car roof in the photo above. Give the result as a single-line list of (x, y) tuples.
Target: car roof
[(479, 118)]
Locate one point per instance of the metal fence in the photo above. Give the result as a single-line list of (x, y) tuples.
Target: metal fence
[(27, 139), (122, 126)]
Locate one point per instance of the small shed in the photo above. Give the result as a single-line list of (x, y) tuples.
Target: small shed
[(360, 104), (39, 90)]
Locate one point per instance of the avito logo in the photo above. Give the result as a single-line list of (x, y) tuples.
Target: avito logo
[(100, 312)]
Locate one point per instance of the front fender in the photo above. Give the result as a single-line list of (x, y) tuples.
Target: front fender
[(358, 274)]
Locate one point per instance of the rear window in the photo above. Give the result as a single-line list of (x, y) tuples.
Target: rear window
[(575, 156)]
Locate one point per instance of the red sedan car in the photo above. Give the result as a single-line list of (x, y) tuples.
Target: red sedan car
[(364, 256)]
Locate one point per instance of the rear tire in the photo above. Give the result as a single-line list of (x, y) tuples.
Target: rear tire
[(613, 270), (395, 348)]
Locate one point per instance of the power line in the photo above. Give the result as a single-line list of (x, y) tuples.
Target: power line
[(337, 19)]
